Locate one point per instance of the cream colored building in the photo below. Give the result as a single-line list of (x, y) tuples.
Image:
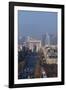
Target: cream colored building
[(33, 44), (19, 47), (51, 61), (50, 53), (51, 56)]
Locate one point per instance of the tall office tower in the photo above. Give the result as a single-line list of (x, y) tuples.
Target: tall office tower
[(43, 39), (47, 40)]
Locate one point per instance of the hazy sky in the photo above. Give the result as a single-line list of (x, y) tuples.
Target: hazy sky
[(36, 23)]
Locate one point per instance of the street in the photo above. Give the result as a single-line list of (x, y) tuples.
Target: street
[(32, 67)]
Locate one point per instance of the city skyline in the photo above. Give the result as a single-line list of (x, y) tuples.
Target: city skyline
[(49, 39)]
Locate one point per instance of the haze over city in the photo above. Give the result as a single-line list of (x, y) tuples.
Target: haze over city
[(36, 23)]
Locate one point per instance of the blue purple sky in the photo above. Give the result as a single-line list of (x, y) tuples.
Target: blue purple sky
[(36, 23)]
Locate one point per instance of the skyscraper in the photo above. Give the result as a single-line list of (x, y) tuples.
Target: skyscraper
[(47, 40)]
